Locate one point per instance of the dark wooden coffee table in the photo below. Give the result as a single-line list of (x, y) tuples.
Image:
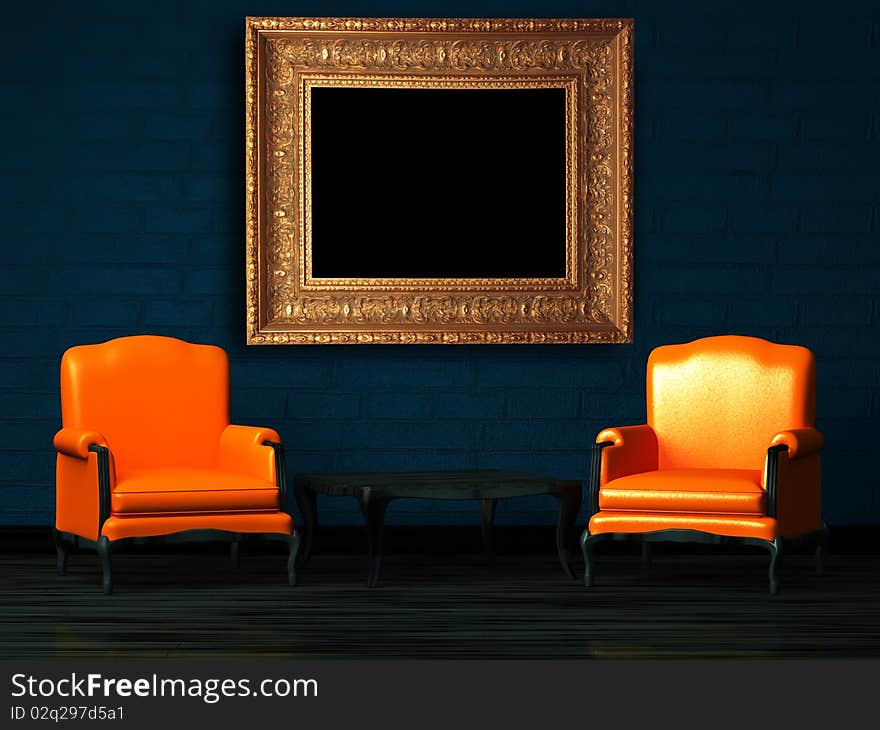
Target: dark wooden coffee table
[(374, 490)]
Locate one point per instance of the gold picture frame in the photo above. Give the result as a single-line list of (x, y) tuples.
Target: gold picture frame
[(591, 59)]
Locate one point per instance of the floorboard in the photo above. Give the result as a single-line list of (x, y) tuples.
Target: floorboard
[(196, 605)]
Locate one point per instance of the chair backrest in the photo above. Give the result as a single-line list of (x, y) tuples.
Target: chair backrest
[(160, 402), (718, 401)]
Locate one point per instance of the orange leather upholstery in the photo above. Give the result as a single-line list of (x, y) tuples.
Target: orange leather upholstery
[(715, 406), (117, 528), (77, 504), (737, 491), (242, 451), (634, 450), (191, 490), (717, 403), (798, 495), (75, 442), (763, 528), (161, 407), (801, 442), (159, 402)]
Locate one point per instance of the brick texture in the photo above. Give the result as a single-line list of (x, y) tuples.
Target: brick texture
[(757, 212)]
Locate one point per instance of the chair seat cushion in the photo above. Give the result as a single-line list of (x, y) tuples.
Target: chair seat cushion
[(191, 490), (721, 491)]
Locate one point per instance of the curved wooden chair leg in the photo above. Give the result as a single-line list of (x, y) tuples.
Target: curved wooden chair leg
[(104, 551), (62, 551), (775, 548), (587, 542)]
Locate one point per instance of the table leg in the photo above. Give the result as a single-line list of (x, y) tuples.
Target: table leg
[(234, 549), (307, 502), (646, 555), (374, 513), (487, 519), (569, 506)]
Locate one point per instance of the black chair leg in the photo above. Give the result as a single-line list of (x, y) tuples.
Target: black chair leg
[(62, 550), (775, 548), (103, 547), (587, 542)]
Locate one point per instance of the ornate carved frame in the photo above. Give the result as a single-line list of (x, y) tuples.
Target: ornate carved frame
[(592, 59)]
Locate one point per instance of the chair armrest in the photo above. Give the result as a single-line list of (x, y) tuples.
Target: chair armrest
[(801, 442), (75, 442), (244, 449), (632, 450), (85, 476), (619, 452), (793, 481)]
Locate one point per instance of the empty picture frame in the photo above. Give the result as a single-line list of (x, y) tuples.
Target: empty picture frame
[(448, 181)]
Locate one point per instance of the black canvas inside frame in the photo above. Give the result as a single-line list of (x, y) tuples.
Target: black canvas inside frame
[(438, 183)]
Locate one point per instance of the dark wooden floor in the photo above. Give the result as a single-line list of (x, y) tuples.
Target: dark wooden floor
[(189, 604)]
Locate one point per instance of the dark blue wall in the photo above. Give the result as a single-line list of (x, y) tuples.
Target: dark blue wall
[(757, 212)]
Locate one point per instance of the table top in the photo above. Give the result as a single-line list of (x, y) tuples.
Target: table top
[(480, 484)]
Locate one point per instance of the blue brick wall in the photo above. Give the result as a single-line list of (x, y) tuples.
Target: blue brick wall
[(757, 212)]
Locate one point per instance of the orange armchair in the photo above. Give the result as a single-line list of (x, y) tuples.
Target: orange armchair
[(729, 452), (146, 449)]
